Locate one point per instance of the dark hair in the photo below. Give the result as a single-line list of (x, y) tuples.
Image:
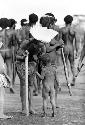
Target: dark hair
[(47, 21), (49, 14), (33, 18), (22, 22), (12, 22), (4, 23), (68, 19), (45, 59)]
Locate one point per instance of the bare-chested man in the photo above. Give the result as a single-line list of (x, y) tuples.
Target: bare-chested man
[(5, 50), (55, 43), (67, 34)]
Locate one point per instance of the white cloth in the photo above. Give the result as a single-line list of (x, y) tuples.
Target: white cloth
[(2, 64), (42, 33), (3, 80), (1, 44)]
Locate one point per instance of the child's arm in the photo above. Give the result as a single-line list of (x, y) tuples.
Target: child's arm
[(40, 76)]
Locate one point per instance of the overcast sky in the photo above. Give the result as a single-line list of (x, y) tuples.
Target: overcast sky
[(19, 9)]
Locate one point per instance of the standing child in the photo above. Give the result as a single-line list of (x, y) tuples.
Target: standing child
[(49, 82)]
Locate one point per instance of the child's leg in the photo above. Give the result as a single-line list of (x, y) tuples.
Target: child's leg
[(44, 106), (45, 98), (9, 72), (52, 101), (57, 84), (35, 86)]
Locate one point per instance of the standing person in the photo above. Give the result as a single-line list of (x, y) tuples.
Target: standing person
[(13, 44), (34, 45), (55, 43), (49, 82), (5, 49), (67, 34), (20, 64)]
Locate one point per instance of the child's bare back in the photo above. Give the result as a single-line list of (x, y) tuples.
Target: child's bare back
[(48, 73)]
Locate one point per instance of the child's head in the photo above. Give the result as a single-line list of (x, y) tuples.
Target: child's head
[(32, 67), (45, 59)]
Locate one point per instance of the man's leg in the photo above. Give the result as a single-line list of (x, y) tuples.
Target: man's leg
[(9, 72), (66, 53), (81, 57), (30, 99), (23, 96), (71, 59), (44, 106)]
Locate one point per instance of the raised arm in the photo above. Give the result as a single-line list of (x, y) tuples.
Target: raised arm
[(50, 48)]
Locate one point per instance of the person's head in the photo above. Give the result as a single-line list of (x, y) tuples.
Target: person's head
[(12, 23), (32, 67), (23, 22), (52, 16), (45, 59), (33, 18), (4, 23), (47, 20), (68, 19)]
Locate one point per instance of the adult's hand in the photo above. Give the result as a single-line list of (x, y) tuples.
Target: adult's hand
[(61, 43)]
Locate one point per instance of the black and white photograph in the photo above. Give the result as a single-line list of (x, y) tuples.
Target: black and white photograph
[(42, 62)]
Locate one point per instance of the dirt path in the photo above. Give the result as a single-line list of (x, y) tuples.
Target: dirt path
[(71, 109)]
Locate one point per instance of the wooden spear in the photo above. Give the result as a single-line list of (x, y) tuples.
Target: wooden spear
[(66, 72), (26, 82), (79, 69)]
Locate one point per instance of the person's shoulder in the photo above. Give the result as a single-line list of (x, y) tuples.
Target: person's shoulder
[(72, 30), (62, 29), (9, 31)]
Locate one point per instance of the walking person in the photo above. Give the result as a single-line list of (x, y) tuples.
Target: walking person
[(68, 35), (20, 65)]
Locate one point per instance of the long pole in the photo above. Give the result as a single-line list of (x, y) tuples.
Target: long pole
[(66, 72), (26, 83), (79, 69), (13, 64)]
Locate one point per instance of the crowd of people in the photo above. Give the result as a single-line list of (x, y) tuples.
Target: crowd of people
[(42, 68)]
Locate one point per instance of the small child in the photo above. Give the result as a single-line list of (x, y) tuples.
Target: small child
[(49, 81)]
